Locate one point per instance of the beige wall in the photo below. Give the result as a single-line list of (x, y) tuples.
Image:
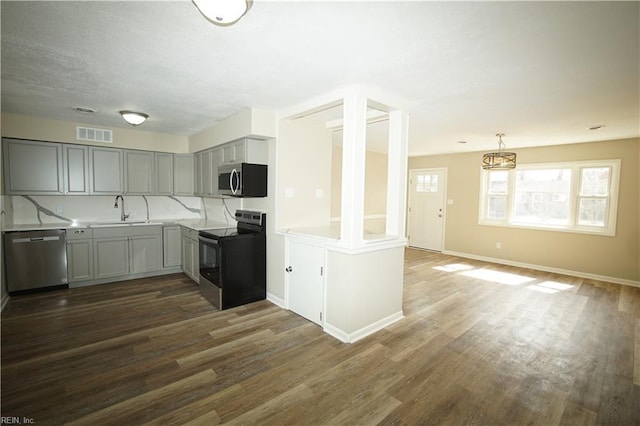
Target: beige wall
[(375, 183), (252, 122), (44, 129), (616, 257), (304, 165)]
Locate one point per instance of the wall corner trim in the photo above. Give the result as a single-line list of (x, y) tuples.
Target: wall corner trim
[(364, 331), (276, 300)]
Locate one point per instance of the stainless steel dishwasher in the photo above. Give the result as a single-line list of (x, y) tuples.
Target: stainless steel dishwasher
[(35, 259)]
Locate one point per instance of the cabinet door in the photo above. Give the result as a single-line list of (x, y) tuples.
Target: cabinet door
[(216, 155), (145, 253), (32, 167), (111, 257), (106, 165), (256, 151), (139, 175), (171, 244), (187, 257), (183, 174), (164, 173), (195, 260), (76, 169), (306, 281), (228, 153), (80, 260)]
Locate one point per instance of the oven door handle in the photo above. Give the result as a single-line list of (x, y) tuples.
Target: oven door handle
[(207, 240)]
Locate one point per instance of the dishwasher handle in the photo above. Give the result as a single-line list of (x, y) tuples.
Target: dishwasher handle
[(35, 239)]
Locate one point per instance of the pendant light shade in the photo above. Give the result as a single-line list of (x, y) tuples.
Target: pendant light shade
[(134, 118), (499, 160), (223, 12)]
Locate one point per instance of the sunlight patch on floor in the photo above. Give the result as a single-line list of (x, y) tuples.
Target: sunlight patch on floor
[(454, 267), (497, 277), (550, 287)]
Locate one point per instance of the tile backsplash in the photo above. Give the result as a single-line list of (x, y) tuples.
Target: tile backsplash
[(26, 210)]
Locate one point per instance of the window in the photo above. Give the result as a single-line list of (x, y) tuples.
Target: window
[(427, 183), (574, 197)]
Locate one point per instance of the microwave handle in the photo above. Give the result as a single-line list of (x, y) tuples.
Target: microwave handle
[(234, 189)]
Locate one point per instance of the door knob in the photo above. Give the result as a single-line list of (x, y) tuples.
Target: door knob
[(288, 269)]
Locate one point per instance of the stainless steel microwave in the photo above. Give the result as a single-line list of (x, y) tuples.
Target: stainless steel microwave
[(243, 180)]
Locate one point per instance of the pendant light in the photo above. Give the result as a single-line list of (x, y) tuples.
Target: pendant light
[(501, 159), (134, 118), (223, 12)]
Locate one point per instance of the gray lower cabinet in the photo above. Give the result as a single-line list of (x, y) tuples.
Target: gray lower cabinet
[(32, 167), (79, 254), (144, 253), (126, 250), (171, 246), (107, 171), (190, 254), (111, 257)]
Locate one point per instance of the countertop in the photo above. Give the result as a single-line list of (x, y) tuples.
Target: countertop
[(196, 224)]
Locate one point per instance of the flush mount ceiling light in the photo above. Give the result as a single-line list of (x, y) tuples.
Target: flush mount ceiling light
[(500, 159), (134, 118), (223, 12)]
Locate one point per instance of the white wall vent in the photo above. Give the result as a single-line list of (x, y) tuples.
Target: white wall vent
[(94, 135)]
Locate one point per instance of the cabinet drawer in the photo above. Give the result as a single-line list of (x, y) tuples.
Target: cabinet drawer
[(127, 231), (79, 233)]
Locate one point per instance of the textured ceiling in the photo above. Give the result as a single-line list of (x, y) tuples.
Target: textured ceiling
[(539, 72)]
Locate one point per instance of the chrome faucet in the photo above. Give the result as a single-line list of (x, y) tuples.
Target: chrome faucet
[(123, 216)]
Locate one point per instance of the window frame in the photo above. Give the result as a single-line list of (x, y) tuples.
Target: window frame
[(574, 197)]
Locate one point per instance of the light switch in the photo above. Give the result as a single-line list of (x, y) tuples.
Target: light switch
[(319, 193), (449, 202), (289, 192)]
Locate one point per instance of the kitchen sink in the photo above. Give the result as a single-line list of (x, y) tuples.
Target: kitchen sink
[(127, 223)]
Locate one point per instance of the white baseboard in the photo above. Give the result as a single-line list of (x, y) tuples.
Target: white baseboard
[(364, 331), (276, 300), (561, 271)]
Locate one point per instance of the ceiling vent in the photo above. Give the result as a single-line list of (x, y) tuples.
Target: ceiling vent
[(94, 135)]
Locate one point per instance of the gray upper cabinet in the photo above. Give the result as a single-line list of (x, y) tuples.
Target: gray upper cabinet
[(107, 167), (32, 167), (76, 169), (164, 173), (244, 151), (204, 185), (183, 174), (139, 173)]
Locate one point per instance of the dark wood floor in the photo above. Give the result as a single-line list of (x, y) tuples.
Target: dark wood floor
[(480, 344)]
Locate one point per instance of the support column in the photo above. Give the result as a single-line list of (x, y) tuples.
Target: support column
[(397, 173), (353, 169)]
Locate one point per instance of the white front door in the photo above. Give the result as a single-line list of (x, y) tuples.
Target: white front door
[(427, 208), (305, 270)]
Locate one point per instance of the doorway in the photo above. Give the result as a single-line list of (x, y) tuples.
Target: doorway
[(427, 191)]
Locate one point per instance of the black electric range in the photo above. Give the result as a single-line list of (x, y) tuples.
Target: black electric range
[(233, 261)]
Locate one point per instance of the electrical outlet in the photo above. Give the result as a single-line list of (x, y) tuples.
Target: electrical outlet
[(59, 209), (498, 245)]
